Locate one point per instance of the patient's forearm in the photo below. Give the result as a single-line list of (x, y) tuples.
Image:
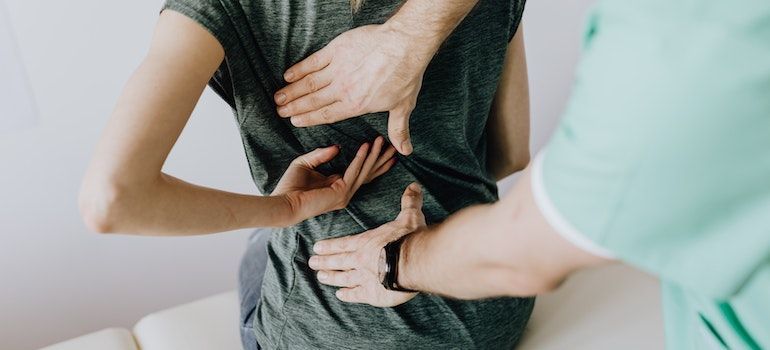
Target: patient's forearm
[(169, 206), (124, 189), (504, 249)]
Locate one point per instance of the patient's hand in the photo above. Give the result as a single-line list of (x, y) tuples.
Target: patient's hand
[(353, 262), (368, 69), (310, 193)]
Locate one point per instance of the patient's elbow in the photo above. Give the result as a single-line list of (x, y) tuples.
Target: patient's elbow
[(100, 203), (510, 166), (520, 162)]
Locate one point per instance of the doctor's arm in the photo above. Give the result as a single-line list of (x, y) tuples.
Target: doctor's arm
[(502, 249), (125, 190)]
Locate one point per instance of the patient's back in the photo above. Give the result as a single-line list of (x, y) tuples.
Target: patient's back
[(261, 39)]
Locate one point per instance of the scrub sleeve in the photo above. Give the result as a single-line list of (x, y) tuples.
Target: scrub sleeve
[(662, 160)]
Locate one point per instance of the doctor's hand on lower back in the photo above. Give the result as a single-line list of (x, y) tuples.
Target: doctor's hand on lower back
[(354, 263), (368, 69), (309, 193)]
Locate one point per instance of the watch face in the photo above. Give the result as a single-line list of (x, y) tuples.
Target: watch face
[(382, 266)]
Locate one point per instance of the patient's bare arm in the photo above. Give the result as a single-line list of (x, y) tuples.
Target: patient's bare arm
[(372, 69), (508, 125), (125, 190)]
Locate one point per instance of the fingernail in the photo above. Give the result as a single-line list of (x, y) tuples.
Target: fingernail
[(318, 247), (406, 147), (280, 98), (323, 275), (415, 187), (288, 76), (339, 294), (296, 122), (283, 111), (312, 261)]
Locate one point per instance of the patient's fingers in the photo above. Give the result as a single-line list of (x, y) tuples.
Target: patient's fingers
[(317, 157), (342, 261), (371, 160), (350, 278), (382, 169), (389, 153), (354, 169)]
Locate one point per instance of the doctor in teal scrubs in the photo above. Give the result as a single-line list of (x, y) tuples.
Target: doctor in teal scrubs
[(661, 161)]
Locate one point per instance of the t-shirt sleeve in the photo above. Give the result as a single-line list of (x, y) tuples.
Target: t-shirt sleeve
[(211, 15), (517, 13), (664, 164)]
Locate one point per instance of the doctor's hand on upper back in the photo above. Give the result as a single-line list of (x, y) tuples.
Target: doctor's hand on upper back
[(373, 68), (355, 263), (309, 193)]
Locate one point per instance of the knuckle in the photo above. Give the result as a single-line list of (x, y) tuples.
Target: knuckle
[(402, 132), (357, 106), (311, 83), (313, 101), (351, 98), (314, 61), (322, 263), (346, 90), (326, 115)]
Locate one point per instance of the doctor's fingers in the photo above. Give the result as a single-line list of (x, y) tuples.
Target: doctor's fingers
[(313, 63), (350, 278), (353, 242), (343, 261), (308, 103)]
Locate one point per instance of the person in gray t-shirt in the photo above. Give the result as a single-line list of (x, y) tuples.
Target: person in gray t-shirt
[(453, 136)]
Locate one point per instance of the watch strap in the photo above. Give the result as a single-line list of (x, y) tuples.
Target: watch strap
[(392, 257)]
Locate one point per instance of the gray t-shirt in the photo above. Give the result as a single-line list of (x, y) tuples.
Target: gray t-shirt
[(261, 40)]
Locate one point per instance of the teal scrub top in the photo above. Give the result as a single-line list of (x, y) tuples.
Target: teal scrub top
[(662, 160)]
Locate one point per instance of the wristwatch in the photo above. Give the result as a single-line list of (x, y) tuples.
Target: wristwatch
[(389, 266)]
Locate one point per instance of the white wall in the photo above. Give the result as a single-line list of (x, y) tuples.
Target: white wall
[(56, 279)]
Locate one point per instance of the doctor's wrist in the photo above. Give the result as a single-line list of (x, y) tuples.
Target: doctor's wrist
[(405, 266)]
